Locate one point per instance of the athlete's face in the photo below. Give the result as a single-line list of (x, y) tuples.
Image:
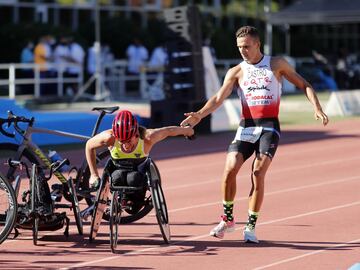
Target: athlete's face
[(130, 144), (249, 49)]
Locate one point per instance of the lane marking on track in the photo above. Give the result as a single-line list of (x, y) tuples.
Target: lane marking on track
[(307, 254), (239, 199), (270, 173), (279, 155), (207, 235), (270, 193)]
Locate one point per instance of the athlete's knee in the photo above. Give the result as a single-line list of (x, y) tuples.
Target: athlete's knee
[(258, 177), (230, 173)]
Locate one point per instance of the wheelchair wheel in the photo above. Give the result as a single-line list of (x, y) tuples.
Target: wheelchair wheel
[(99, 207), (75, 206), (115, 217), (159, 203)]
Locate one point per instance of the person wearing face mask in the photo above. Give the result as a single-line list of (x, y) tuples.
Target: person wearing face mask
[(257, 80)]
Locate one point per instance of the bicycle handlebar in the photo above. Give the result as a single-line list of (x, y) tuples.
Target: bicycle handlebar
[(12, 118)]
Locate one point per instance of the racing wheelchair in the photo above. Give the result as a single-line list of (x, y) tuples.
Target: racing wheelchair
[(136, 201)]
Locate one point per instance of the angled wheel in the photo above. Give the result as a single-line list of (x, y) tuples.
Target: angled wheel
[(8, 208), (115, 217), (159, 203), (99, 207), (75, 206)]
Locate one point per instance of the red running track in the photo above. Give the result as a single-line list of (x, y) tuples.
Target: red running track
[(309, 220)]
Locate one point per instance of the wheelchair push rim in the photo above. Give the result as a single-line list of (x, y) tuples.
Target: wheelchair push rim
[(159, 203)]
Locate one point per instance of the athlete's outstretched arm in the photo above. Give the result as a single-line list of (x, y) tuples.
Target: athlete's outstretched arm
[(193, 118), (292, 76)]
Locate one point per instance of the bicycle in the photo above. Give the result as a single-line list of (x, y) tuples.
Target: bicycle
[(37, 210), (119, 204), (28, 152), (8, 208)]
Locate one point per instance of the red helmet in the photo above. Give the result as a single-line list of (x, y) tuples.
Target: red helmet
[(124, 126)]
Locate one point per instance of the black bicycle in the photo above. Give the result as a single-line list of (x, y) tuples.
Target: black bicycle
[(37, 208), (30, 153), (154, 198), (8, 208)]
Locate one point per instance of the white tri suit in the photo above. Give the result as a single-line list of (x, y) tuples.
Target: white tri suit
[(259, 92)]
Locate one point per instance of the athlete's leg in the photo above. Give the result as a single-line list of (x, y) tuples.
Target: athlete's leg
[(260, 166), (234, 161), (266, 151)]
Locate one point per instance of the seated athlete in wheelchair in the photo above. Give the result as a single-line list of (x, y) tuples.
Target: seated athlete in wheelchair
[(129, 145)]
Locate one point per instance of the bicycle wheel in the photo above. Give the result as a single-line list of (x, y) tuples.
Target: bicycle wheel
[(34, 203), (115, 217), (75, 207), (159, 203), (8, 208)]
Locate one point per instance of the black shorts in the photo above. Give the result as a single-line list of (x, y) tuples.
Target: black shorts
[(266, 144)]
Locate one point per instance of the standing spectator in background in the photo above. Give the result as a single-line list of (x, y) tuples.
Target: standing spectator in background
[(62, 54), (158, 59), (76, 57), (27, 57), (137, 56), (43, 56)]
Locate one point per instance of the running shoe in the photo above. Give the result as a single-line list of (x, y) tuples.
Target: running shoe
[(223, 227), (249, 236)]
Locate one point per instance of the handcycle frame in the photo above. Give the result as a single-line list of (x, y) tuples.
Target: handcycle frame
[(32, 205), (153, 182), (36, 155)]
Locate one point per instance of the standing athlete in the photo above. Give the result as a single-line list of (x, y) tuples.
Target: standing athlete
[(258, 81)]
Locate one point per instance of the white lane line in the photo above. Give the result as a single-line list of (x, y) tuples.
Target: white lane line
[(307, 254), (207, 235), (239, 199), (270, 193), (270, 173), (279, 155)]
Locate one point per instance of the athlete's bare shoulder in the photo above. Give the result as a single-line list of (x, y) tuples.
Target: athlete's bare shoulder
[(278, 62), (234, 72)]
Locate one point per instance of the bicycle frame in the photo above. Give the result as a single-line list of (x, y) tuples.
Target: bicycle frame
[(27, 143)]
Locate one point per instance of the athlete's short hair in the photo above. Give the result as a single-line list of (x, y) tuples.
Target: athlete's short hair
[(247, 31)]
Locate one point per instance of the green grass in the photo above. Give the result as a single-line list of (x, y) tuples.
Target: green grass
[(299, 96)]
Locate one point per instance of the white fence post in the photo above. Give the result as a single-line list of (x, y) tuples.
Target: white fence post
[(12, 81)]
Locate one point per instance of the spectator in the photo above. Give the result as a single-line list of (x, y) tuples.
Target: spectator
[(62, 54), (27, 57), (43, 56), (137, 56), (76, 57), (158, 59)]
